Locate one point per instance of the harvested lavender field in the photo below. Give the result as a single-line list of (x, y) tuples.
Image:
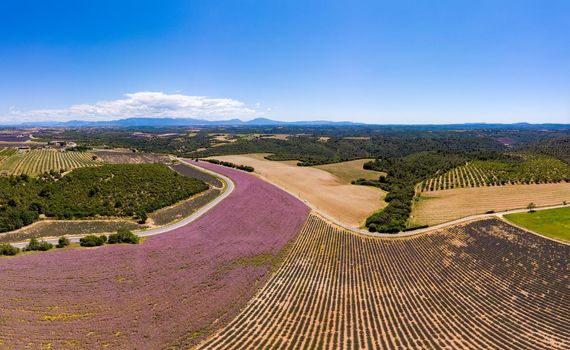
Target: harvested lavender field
[(483, 285), (197, 174), (170, 291), (184, 208)]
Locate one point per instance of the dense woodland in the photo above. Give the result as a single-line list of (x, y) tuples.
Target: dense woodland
[(109, 190)]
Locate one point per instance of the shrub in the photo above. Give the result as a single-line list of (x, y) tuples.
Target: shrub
[(123, 236), (531, 207), (35, 245), (92, 241), (142, 217), (8, 250), (62, 242)]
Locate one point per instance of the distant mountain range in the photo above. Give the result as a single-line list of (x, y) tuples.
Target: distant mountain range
[(182, 122), (166, 122)]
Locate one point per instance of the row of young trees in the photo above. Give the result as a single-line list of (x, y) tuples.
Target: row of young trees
[(247, 168)]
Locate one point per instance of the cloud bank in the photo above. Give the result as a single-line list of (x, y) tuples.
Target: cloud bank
[(144, 104)]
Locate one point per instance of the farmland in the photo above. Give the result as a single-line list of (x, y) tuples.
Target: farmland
[(351, 170), (39, 161), (57, 228), (129, 157), (445, 205), (553, 223), (168, 292), (331, 194), (111, 190), (533, 169), (482, 285)]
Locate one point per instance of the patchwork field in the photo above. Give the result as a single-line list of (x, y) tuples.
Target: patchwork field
[(37, 162), (166, 293), (445, 205), (553, 223), (327, 192), (484, 285), (351, 170)]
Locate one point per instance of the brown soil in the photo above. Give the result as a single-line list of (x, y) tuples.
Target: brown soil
[(336, 197)]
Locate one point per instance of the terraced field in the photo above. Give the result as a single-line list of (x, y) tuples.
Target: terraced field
[(484, 285), (534, 169), (36, 162)]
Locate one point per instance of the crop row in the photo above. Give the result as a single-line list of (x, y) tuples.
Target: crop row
[(5, 153), (39, 161), (166, 293), (496, 173), (484, 285)]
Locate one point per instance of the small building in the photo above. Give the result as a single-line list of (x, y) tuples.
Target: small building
[(23, 149)]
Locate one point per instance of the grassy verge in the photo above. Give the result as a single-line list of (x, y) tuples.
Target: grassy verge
[(554, 223)]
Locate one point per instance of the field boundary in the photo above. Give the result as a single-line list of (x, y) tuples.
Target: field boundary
[(509, 222), (355, 230), (225, 191)]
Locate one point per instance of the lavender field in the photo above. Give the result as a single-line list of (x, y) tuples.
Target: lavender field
[(171, 291)]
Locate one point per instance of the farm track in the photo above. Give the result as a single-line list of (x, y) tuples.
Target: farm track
[(485, 284)]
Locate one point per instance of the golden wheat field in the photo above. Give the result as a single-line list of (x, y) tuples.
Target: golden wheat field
[(445, 205)]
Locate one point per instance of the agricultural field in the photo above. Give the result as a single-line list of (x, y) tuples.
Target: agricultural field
[(441, 206), (129, 157), (351, 170), (39, 161), (107, 191), (554, 223), (477, 173), (183, 208), (169, 292), (57, 228), (325, 191), (483, 285), (5, 153)]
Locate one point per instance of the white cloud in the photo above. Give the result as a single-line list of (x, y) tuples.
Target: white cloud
[(144, 104)]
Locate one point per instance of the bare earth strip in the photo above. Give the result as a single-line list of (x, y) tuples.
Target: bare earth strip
[(348, 203), (445, 205)]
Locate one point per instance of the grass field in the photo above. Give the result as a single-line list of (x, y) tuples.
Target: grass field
[(329, 193), (553, 223), (351, 170), (36, 162), (445, 205)]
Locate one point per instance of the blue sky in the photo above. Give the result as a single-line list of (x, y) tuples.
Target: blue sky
[(369, 61)]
